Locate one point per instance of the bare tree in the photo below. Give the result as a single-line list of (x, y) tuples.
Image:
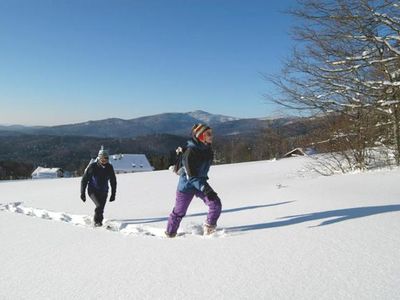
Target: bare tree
[(347, 63)]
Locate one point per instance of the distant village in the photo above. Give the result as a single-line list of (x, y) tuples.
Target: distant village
[(122, 163)]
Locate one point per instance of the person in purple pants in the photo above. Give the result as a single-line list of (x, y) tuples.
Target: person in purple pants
[(196, 160)]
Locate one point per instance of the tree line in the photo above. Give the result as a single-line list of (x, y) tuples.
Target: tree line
[(20, 155)]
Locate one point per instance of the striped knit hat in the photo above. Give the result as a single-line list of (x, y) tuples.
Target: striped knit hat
[(198, 130)]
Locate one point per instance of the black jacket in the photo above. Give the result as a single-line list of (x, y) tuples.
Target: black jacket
[(96, 177)]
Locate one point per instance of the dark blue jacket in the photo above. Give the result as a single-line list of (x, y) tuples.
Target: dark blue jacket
[(197, 160), (96, 177)]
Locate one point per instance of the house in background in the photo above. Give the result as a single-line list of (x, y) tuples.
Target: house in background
[(295, 152), (300, 152), (129, 163), (41, 173)]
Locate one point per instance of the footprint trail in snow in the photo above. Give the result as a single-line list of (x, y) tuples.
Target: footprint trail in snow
[(110, 225)]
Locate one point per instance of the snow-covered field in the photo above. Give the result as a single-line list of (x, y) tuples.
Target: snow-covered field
[(286, 233)]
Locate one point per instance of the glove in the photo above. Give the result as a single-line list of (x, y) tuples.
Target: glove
[(83, 197), (209, 192), (112, 198)]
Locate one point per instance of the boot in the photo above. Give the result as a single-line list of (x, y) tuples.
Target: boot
[(209, 229), (170, 235)]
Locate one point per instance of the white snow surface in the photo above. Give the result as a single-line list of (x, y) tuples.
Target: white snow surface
[(284, 233)]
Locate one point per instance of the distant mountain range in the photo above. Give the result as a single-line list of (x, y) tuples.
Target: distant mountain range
[(71, 146), (167, 123)]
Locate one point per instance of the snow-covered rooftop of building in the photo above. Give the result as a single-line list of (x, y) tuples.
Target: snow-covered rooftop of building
[(130, 163), (46, 170), (41, 172)]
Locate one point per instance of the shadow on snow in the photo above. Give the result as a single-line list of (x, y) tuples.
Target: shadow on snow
[(334, 216)]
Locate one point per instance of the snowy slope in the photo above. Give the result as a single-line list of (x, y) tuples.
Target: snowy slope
[(286, 233)]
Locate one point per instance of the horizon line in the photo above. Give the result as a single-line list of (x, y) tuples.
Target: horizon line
[(273, 116)]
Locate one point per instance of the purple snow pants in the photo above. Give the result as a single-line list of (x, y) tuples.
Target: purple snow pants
[(181, 206)]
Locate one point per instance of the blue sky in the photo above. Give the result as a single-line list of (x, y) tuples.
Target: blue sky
[(67, 61)]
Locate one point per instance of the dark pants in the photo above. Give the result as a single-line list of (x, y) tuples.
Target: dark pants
[(99, 200), (182, 204)]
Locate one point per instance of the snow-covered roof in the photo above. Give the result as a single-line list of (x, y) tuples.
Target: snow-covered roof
[(46, 172), (130, 163), (295, 152)]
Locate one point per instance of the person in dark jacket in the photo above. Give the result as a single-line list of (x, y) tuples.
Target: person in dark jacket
[(196, 160), (96, 178)]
